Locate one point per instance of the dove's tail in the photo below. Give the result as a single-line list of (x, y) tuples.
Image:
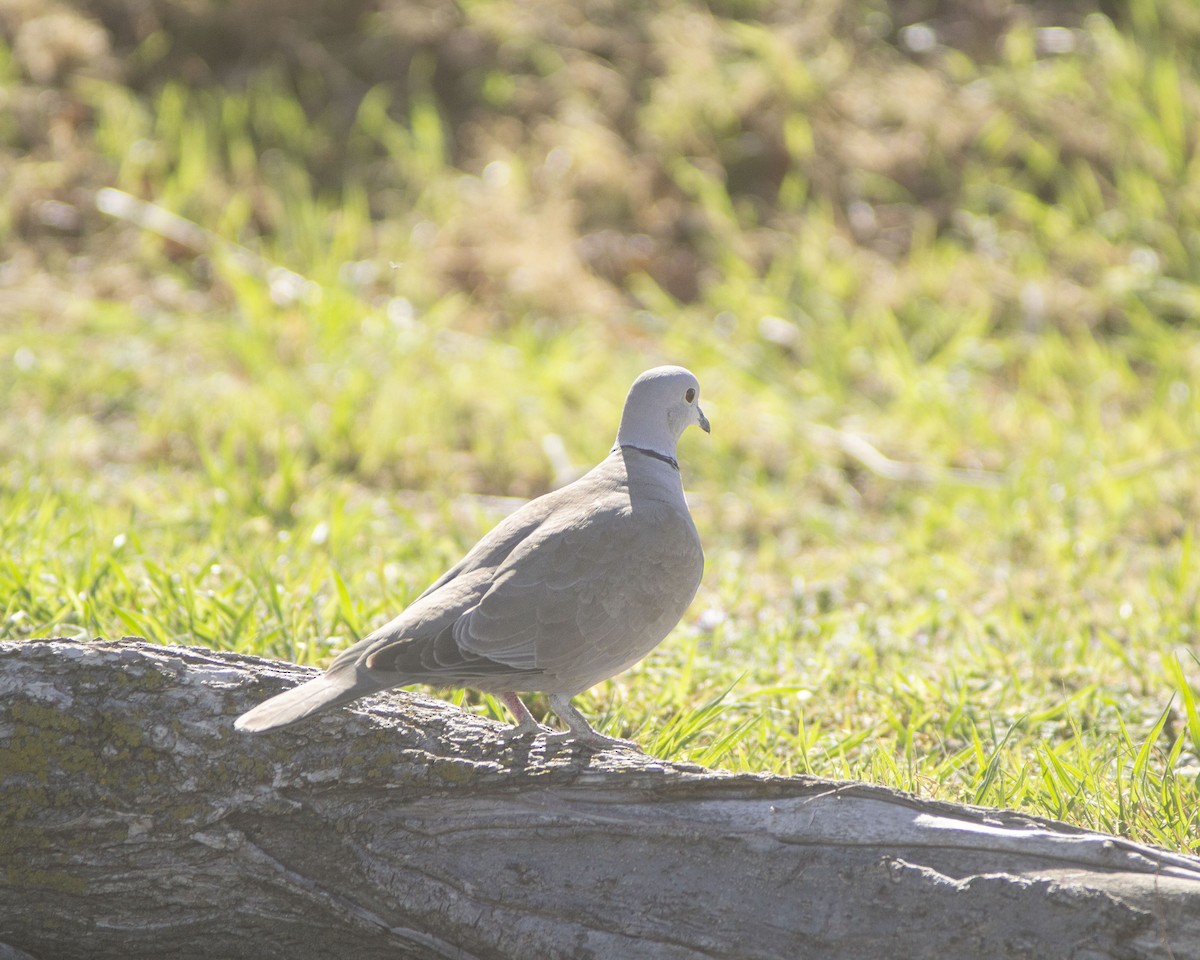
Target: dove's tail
[(321, 693)]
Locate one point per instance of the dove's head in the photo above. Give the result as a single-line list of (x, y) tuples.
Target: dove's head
[(662, 403)]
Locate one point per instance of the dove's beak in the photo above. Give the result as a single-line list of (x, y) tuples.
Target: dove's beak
[(703, 421)]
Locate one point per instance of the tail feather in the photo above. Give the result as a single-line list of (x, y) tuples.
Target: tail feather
[(320, 693)]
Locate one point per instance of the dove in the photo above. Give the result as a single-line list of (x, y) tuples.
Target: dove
[(572, 588)]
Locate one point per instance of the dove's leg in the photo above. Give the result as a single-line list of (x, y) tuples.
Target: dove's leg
[(581, 731), (526, 726)]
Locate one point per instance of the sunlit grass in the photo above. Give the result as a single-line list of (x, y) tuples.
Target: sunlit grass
[(271, 438)]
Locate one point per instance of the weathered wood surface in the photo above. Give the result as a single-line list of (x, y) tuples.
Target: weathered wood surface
[(135, 822)]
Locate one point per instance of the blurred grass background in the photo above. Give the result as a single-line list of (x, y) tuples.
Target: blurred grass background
[(297, 298)]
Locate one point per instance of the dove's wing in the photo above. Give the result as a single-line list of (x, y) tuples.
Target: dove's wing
[(556, 601)]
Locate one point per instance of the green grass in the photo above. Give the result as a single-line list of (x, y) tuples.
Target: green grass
[(269, 430)]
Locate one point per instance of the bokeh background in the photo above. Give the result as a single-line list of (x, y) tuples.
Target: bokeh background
[(297, 298)]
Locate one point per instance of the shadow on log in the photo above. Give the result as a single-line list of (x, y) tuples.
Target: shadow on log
[(135, 822)]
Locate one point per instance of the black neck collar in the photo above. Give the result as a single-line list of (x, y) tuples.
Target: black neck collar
[(652, 453)]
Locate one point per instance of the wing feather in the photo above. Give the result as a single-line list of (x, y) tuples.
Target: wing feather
[(591, 599), (566, 591)]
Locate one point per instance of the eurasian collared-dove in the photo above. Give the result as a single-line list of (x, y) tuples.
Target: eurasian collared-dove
[(571, 589)]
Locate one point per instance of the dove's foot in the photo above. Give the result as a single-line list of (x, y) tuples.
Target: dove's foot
[(581, 732), (519, 732), (592, 740), (526, 726)]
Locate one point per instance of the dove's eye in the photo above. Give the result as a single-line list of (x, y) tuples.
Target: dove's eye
[(690, 395)]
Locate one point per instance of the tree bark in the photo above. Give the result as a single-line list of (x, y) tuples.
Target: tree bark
[(135, 822)]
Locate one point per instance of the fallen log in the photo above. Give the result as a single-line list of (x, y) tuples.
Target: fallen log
[(135, 822)]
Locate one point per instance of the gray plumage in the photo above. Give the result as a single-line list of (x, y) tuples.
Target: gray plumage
[(572, 588)]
